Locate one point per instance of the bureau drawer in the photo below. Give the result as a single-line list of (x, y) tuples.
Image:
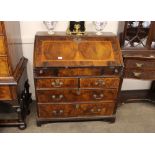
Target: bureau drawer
[(99, 82), (2, 46), (67, 72), (140, 64), (4, 68), (66, 95), (57, 83), (140, 74), (75, 110), (5, 93)]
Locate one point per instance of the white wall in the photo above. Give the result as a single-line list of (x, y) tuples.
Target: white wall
[(28, 30)]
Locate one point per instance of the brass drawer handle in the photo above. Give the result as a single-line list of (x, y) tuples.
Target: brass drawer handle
[(92, 110), (61, 111), (99, 83), (152, 56), (54, 112), (137, 74), (41, 71), (98, 97), (99, 110), (57, 83), (57, 112), (77, 106), (139, 65), (116, 70), (57, 97)]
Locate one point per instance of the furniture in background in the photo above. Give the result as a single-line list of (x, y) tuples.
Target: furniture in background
[(77, 78), (14, 87), (138, 48)]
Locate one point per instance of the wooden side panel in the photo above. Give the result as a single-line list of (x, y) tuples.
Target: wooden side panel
[(21, 81), (4, 68), (2, 46), (1, 28), (5, 93)]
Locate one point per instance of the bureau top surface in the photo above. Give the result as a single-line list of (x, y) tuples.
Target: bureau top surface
[(61, 50)]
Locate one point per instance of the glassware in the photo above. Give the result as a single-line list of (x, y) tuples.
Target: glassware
[(135, 24), (146, 24), (50, 25), (99, 26)]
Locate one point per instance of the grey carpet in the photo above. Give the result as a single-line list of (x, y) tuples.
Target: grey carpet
[(132, 117)]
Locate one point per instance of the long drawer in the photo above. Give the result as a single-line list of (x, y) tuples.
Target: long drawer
[(4, 68), (75, 110), (140, 64), (66, 95), (139, 74), (2, 46), (85, 71)]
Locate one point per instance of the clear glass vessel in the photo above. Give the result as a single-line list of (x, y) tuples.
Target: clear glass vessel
[(50, 25), (99, 26)]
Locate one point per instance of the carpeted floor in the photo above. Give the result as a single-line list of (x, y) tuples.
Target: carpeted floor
[(132, 117)]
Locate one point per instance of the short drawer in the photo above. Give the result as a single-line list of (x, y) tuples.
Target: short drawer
[(140, 74), (2, 46), (99, 82), (67, 72), (140, 64), (75, 110), (66, 95), (4, 68), (5, 93), (57, 83)]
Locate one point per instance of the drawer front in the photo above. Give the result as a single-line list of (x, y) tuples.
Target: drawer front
[(5, 93), (75, 110), (67, 72), (45, 96), (4, 68), (140, 74), (57, 83), (99, 82), (2, 46), (140, 64)]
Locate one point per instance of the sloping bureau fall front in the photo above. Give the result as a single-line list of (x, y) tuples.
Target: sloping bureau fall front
[(77, 77)]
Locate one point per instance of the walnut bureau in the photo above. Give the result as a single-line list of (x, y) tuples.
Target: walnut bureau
[(14, 87), (77, 78)]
